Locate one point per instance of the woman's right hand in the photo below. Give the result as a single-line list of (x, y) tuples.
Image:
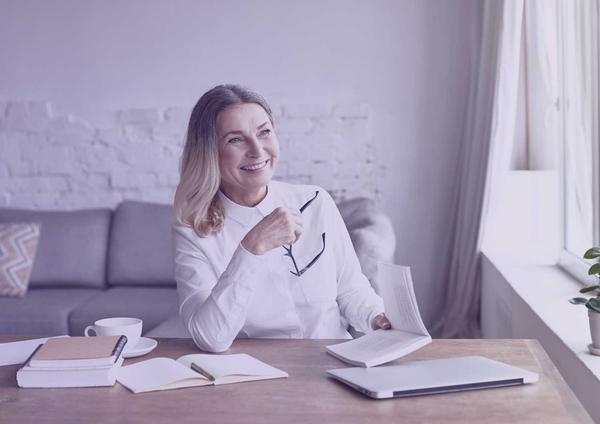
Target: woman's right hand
[(282, 226)]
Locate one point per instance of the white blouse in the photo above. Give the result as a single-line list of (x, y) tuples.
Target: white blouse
[(227, 292)]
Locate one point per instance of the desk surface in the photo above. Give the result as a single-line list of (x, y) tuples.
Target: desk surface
[(307, 396)]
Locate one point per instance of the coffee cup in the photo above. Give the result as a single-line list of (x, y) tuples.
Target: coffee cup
[(129, 327)]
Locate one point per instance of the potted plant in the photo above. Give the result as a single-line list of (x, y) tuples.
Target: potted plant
[(593, 303)]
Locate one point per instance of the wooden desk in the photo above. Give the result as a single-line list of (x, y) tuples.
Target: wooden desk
[(307, 396)]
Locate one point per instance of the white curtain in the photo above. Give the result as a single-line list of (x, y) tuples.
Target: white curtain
[(485, 158)]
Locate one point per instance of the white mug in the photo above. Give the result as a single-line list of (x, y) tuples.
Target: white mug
[(130, 327)]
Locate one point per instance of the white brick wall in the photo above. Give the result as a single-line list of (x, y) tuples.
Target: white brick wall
[(60, 162)]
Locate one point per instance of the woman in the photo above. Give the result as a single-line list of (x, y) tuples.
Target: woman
[(256, 257)]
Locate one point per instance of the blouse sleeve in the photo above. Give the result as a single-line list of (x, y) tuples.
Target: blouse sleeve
[(213, 307), (357, 300)]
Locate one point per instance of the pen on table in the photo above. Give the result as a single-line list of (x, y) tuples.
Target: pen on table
[(203, 372)]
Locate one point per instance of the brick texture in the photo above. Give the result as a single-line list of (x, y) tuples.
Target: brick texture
[(61, 162)]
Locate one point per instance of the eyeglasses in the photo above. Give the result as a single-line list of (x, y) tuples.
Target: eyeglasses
[(288, 249)]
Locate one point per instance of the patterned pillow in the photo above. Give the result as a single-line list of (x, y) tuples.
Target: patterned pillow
[(18, 244)]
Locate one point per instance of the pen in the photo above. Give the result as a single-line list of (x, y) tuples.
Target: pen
[(202, 372)]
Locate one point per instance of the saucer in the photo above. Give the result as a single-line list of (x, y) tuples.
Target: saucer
[(594, 350), (145, 345)]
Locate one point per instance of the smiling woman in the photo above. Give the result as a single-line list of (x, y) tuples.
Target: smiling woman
[(248, 152), (212, 120), (236, 273)]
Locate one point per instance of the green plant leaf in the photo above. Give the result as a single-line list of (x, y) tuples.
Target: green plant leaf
[(592, 253), (594, 269), (594, 305), (591, 308), (589, 289), (578, 301)]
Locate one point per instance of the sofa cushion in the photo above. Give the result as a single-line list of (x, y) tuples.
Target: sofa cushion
[(141, 247), (18, 245), (41, 312), (371, 232), (72, 247), (151, 304)]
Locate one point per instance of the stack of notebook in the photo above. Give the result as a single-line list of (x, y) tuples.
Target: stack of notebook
[(74, 362)]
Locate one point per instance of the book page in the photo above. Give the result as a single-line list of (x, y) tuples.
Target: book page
[(377, 344), (240, 364), (408, 332), (396, 289), (158, 374)]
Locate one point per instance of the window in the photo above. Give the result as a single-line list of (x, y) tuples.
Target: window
[(578, 76), (558, 114)]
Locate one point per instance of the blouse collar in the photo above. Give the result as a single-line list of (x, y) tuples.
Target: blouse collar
[(244, 214)]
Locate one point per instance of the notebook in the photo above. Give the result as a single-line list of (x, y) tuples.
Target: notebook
[(432, 376), (78, 352), (408, 333), (195, 370), (86, 376)]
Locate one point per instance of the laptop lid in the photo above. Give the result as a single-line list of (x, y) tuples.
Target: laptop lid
[(432, 376)]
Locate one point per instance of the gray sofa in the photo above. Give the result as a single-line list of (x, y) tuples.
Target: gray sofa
[(100, 263)]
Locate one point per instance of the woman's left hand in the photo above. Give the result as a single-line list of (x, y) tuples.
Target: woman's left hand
[(381, 322)]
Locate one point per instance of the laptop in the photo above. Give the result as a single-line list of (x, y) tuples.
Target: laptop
[(432, 376)]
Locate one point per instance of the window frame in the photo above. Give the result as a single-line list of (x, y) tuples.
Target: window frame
[(567, 260)]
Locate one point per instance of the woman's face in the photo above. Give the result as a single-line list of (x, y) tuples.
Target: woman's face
[(248, 152)]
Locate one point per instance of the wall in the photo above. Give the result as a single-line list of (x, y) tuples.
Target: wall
[(60, 162), (408, 60)]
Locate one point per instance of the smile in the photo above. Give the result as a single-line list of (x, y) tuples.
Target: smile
[(255, 166)]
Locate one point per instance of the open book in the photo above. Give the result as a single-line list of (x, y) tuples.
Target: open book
[(408, 332), (195, 370)]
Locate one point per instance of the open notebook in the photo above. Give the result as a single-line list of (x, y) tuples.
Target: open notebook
[(195, 370), (408, 332)]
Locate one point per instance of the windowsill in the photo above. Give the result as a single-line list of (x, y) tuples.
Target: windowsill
[(534, 302), (547, 290)]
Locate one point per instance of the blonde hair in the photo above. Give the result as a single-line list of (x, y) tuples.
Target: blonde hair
[(197, 203)]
